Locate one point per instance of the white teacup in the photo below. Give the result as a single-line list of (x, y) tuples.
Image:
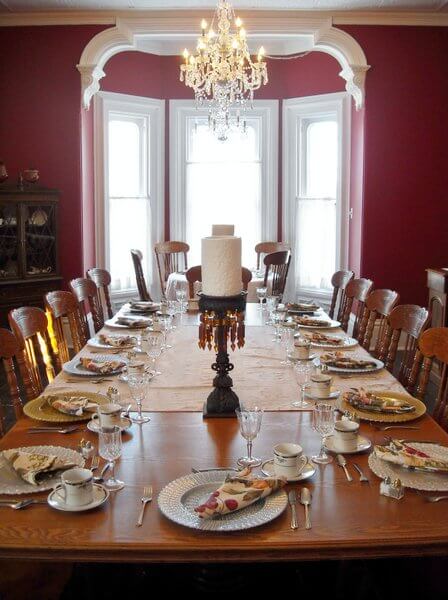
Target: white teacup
[(289, 460), (108, 414), (320, 385), (346, 434), (301, 349), (76, 487)]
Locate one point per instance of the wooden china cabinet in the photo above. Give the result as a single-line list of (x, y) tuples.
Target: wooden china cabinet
[(29, 266)]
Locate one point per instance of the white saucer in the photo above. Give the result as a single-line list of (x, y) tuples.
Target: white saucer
[(331, 396), (267, 468), (100, 495), (363, 445), (310, 357), (124, 425)]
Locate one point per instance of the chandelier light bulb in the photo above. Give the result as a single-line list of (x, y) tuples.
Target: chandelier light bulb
[(242, 33), (238, 22), (211, 34), (261, 53), (203, 25)]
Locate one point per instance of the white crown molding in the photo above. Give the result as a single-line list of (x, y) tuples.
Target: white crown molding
[(317, 29), (421, 18)]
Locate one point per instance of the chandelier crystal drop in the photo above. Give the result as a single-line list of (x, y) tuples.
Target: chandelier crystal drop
[(222, 73)]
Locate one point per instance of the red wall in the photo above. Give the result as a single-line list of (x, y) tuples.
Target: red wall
[(405, 225), (404, 193)]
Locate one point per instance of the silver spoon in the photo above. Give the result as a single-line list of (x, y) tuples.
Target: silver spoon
[(21, 503), (100, 477), (52, 429), (305, 499)]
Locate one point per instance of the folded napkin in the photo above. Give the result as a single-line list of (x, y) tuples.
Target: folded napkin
[(403, 454), (143, 305), (117, 341), (130, 322), (33, 467), (101, 366), (342, 361), (369, 401), (238, 492), (75, 406)]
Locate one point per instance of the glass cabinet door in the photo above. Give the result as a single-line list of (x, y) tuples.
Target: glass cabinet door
[(39, 225), (9, 241)]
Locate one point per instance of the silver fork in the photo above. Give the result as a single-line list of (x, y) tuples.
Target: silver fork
[(147, 497), (21, 503), (382, 428), (435, 498), (52, 429)]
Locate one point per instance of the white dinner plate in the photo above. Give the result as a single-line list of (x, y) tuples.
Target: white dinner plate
[(141, 323), (100, 496), (11, 483), (331, 325), (73, 367), (378, 366), (348, 343), (178, 499), (95, 343)]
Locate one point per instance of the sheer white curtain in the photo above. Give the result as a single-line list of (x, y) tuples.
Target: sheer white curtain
[(223, 185)]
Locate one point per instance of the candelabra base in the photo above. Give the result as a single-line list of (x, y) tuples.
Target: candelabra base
[(222, 401)]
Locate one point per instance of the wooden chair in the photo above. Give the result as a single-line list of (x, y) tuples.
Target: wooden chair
[(195, 274), (60, 305), (263, 248), (339, 282), (379, 304), (356, 290), (407, 320), (433, 344), (277, 267), (137, 258), (30, 327), (168, 256), (88, 298), (10, 351), (102, 280)]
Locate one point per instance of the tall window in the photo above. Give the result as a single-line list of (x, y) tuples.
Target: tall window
[(316, 158), (129, 187), (232, 182)]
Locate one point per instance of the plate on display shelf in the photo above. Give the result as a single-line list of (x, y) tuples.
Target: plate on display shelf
[(178, 499)]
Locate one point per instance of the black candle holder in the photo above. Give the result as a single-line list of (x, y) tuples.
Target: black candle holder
[(222, 320)]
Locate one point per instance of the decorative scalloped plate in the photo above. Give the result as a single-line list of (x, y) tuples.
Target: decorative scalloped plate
[(11, 483), (40, 409), (365, 415), (178, 499), (417, 480)]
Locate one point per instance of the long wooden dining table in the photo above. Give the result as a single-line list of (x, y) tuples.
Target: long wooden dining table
[(349, 519)]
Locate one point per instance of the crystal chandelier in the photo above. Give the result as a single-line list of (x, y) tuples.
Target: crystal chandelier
[(222, 73)]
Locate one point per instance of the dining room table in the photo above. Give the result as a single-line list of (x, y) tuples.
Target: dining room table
[(350, 519)]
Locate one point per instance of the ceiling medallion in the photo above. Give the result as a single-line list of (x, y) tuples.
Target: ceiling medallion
[(222, 73)]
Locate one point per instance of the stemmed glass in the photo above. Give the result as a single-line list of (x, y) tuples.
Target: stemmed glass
[(287, 340), (165, 322), (261, 294), (250, 423), (154, 351), (181, 296), (138, 386), (271, 304), (109, 448), (302, 372), (277, 318), (323, 423)]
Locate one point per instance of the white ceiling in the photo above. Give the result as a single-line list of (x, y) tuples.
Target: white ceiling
[(336, 5)]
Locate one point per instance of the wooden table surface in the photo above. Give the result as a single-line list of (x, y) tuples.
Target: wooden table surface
[(350, 520)]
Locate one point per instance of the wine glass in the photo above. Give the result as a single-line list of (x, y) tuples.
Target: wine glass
[(138, 386), (109, 448), (277, 319), (261, 294), (181, 296), (154, 351), (323, 423), (302, 372), (287, 341), (271, 304), (250, 422), (165, 322)]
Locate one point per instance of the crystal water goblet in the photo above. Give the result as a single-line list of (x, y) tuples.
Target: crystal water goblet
[(302, 373), (109, 448), (277, 319), (154, 350), (181, 295), (271, 304), (249, 420), (323, 423), (261, 295), (138, 386), (287, 341), (165, 322)]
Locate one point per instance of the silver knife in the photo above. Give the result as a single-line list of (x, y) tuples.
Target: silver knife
[(194, 470), (343, 463), (305, 499), (292, 498)]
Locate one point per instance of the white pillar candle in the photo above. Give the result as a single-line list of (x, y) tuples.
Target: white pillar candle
[(221, 266), (223, 229)]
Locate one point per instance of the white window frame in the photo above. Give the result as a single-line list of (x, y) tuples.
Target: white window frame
[(267, 111), (153, 109), (301, 109)]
